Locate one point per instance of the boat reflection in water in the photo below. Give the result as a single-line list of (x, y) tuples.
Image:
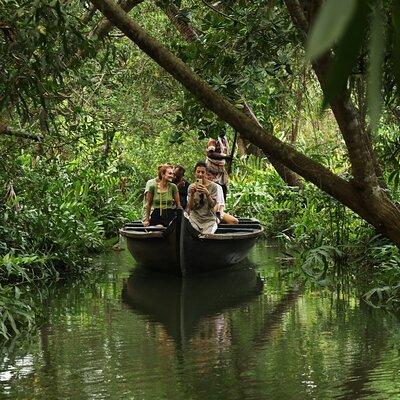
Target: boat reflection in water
[(179, 304)]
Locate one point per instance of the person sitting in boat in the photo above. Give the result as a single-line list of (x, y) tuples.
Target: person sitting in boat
[(222, 216), (182, 184), (202, 200), (161, 196), (149, 183)]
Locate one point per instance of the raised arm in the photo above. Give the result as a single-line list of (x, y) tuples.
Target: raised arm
[(191, 191), (217, 156), (210, 199), (211, 153)]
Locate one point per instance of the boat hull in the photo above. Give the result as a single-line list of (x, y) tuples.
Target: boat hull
[(204, 253), (182, 250), (158, 254)]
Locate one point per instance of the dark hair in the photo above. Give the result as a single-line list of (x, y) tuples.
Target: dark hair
[(178, 166), (200, 164)]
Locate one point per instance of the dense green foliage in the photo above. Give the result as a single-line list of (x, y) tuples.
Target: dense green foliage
[(321, 237), (101, 126)]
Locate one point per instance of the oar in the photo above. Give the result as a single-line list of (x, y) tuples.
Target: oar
[(143, 228)]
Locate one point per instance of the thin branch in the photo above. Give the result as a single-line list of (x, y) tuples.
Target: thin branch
[(221, 13), (6, 130), (299, 19), (96, 87), (105, 26), (89, 14)]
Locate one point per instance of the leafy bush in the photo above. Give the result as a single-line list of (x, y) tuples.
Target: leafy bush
[(14, 311), (322, 237)]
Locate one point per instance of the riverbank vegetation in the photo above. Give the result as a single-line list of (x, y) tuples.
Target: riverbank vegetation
[(86, 117)]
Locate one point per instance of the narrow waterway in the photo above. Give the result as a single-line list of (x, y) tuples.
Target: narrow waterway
[(248, 334)]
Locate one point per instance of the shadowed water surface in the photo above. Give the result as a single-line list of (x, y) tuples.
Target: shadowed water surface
[(248, 334)]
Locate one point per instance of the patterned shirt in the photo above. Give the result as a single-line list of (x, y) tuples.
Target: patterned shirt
[(220, 146)]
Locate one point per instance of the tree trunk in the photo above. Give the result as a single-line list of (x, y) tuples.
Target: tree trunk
[(372, 205), (364, 164)]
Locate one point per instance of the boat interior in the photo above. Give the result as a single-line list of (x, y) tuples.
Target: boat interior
[(245, 225)]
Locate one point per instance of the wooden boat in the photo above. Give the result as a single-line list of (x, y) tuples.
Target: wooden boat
[(179, 304), (182, 250)]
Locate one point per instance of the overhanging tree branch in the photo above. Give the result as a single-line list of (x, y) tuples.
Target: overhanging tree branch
[(312, 170), (382, 213), (88, 14), (7, 130), (102, 29), (105, 26), (173, 14)]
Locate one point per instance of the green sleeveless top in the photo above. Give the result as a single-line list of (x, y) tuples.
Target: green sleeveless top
[(163, 200)]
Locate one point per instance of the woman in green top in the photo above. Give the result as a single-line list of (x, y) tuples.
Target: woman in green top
[(161, 196)]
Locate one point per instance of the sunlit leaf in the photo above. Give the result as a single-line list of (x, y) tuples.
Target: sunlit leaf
[(329, 26)]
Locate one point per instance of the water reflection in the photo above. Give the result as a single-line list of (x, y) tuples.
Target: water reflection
[(249, 334), (362, 369), (180, 304)]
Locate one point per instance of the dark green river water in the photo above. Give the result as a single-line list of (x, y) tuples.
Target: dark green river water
[(249, 334)]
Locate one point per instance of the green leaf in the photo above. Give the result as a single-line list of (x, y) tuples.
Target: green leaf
[(329, 25), (12, 322), (346, 54), (376, 53), (396, 182), (394, 178)]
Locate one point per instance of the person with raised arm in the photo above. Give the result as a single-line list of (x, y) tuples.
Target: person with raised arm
[(202, 200), (217, 152)]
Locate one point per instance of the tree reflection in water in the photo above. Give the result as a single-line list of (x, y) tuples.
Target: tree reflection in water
[(225, 335)]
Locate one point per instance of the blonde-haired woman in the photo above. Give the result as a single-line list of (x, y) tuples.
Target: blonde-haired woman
[(161, 197)]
